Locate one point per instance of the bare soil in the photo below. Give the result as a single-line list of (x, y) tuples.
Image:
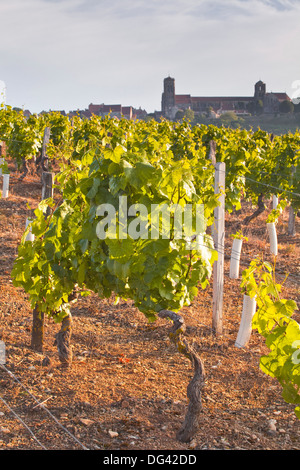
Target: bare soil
[(127, 387)]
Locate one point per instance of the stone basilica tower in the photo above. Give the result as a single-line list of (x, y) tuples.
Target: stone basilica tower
[(259, 90), (168, 97)]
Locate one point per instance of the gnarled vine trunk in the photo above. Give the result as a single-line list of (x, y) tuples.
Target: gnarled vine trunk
[(37, 333), (25, 169), (260, 209), (194, 389), (63, 341)]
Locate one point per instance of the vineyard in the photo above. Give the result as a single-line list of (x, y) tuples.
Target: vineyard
[(132, 337)]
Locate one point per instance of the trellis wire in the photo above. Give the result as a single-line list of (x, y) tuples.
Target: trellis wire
[(44, 408), (23, 423)]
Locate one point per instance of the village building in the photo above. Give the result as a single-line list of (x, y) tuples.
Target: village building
[(268, 103), (113, 110)]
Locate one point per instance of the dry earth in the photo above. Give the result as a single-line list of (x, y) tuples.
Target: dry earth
[(127, 387)]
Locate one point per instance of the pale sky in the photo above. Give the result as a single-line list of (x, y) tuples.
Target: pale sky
[(66, 54)]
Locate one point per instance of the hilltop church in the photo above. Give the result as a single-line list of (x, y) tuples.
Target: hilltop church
[(241, 105)]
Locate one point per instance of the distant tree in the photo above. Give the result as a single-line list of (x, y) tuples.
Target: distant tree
[(179, 115), (189, 114), (209, 111), (240, 122), (259, 107), (201, 119), (255, 107), (250, 107), (297, 107), (149, 117), (286, 106), (228, 118)]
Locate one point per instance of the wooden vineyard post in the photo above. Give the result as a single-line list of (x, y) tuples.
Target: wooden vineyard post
[(212, 158), (47, 184), (212, 151), (37, 335), (1, 158), (47, 187), (44, 158), (292, 222), (274, 201), (219, 243), (292, 215)]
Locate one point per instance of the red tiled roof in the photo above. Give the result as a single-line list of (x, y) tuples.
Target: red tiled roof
[(127, 110), (105, 108), (95, 108), (282, 96), (86, 113), (139, 112), (220, 98), (112, 107), (181, 99)]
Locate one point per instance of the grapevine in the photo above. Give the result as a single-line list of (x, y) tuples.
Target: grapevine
[(273, 320)]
